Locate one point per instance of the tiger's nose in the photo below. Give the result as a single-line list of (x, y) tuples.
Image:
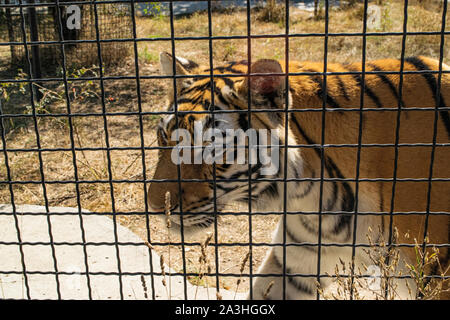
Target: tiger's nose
[(160, 201), (153, 209), (157, 190)]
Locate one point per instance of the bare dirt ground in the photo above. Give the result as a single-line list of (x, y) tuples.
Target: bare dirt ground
[(124, 131)]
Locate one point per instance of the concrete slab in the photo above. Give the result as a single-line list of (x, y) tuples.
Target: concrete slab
[(101, 257)]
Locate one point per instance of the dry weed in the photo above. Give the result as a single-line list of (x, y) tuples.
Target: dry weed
[(384, 284), (273, 11)]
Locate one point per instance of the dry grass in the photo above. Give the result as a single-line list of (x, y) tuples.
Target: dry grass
[(124, 130), (341, 49), (392, 272), (112, 24), (273, 11)]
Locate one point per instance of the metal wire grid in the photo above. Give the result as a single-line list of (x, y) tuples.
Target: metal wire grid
[(114, 23), (320, 147)]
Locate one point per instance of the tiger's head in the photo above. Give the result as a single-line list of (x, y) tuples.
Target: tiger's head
[(209, 184)]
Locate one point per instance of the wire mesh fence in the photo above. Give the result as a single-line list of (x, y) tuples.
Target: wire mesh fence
[(114, 23), (92, 123)]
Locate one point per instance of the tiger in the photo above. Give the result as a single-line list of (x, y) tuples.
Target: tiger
[(335, 182)]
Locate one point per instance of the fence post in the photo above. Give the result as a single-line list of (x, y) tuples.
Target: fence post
[(35, 60), (9, 25)]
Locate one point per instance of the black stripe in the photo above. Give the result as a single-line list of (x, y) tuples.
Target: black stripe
[(293, 281), (232, 70), (298, 284), (270, 190), (229, 68), (381, 197), (243, 122), (331, 202), (219, 96), (367, 90), (430, 79), (341, 85), (321, 92), (348, 204), (245, 172), (189, 101), (310, 228), (200, 87), (389, 83), (342, 88), (225, 189), (255, 196), (446, 119), (297, 240), (190, 65), (229, 82), (308, 188), (197, 205), (348, 201), (223, 166), (382, 207), (307, 139), (307, 191)]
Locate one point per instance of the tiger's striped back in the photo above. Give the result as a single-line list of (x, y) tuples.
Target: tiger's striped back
[(363, 152)]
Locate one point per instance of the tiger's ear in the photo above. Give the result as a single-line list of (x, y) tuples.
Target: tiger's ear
[(182, 67), (267, 91)]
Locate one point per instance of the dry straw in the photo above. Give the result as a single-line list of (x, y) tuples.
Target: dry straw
[(269, 287), (204, 263), (163, 272), (241, 270), (168, 225), (144, 286), (392, 273)]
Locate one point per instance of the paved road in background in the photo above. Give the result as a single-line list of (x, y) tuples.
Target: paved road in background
[(187, 7)]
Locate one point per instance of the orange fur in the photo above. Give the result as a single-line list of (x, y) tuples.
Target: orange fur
[(342, 127)]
